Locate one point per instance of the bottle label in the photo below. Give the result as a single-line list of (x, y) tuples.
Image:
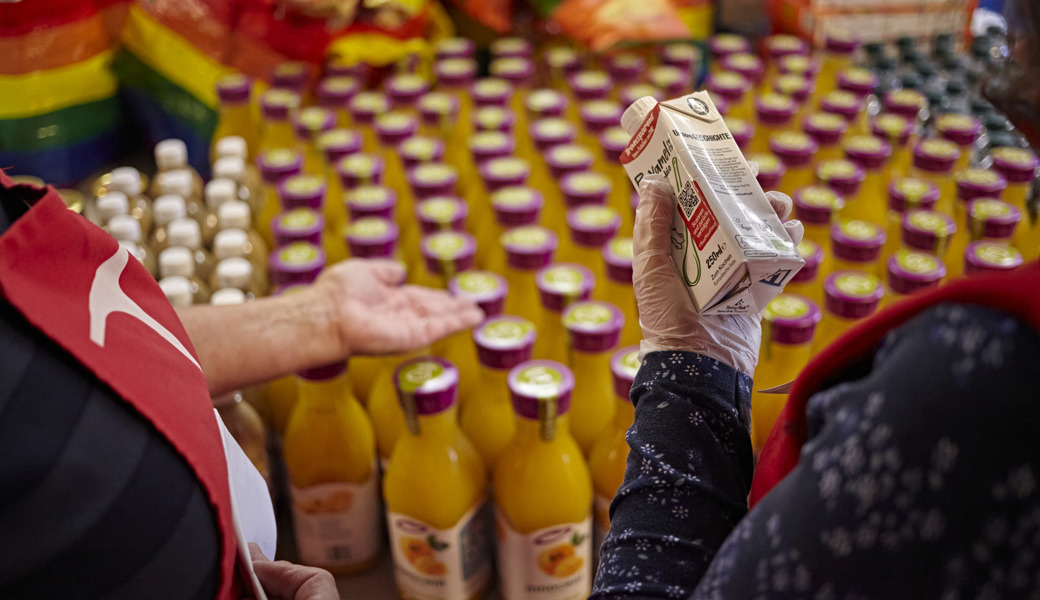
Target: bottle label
[(551, 564), (433, 564), (337, 524)]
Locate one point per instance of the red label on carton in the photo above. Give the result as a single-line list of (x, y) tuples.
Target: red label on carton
[(642, 138), (703, 222)]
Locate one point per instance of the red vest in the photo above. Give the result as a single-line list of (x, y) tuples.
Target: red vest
[(75, 284), (1017, 293)]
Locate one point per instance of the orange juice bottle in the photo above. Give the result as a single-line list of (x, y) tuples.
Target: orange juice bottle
[(734, 89), (361, 169), (990, 256), (419, 150), (364, 107), (817, 207), (514, 206), (1018, 166), (897, 131), (972, 183), (528, 249), (796, 150), (609, 454), (905, 194), (771, 170), (275, 167), (543, 490), (930, 231), (846, 179), (497, 174), (310, 123), (856, 246), (747, 65), (334, 94), (617, 281), (590, 84), (849, 296), (872, 155), (439, 114), (594, 329), (774, 113), (599, 115), (625, 68), (487, 418), (291, 75), (404, 91), (671, 81), (299, 262), (308, 191), (236, 114), (483, 148), (559, 286), (985, 219), (301, 224), (547, 134), (445, 255), (489, 291), (848, 106), (330, 455), (798, 88), (779, 46), (839, 51), (435, 492), (788, 325), (565, 159), (828, 131), (857, 80), (808, 281), (455, 77), (906, 103), (934, 160), (519, 72), (963, 130), (392, 128), (910, 271), (559, 63), (591, 227), (278, 107), (722, 45)]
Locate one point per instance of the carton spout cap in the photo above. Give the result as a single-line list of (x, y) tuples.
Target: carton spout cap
[(636, 112)]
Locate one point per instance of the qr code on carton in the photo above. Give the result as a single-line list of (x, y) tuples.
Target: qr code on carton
[(689, 199)]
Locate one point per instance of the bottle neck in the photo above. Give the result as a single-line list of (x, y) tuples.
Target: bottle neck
[(625, 413), (541, 431), (325, 393), (594, 365), (495, 381), (441, 425)]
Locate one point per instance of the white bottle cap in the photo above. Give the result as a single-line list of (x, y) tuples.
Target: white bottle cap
[(177, 290), (131, 248), (232, 145), (220, 191), (177, 181), (184, 232), (126, 180), (111, 205), (227, 297), (167, 208), (125, 229), (234, 214), (230, 243), (176, 261), (235, 272), (633, 116), (230, 167), (171, 154)]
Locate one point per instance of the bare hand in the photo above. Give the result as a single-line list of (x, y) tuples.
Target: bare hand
[(283, 580)]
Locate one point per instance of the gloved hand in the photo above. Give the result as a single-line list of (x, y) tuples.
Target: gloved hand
[(666, 313)]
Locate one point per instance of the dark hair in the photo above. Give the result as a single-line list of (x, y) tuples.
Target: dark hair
[(1015, 89)]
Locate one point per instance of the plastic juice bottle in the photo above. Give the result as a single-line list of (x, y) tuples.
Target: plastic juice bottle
[(179, 261), (848, 297), (547, 134), (439, 114), (236, 114), (808, 282), (180, 182), (370, 201), (817, 207), (487, 419), (441, 550), (897, 131), (934, 160), (798, 88), (963, 130), (440, 213), (734, 89), (559, 286), (248, 186), (722, 45), (237, 272), (788, 325), (421, 149), (111, 205), (455, 76), (392, 128), (839, 51), (300, 224), (774, 113), (483, 147), (275, 167), (336, 145), (872, 155), (543, 490), (617, 260), (796, 150), (291, 75), (186, 233), (404, 91), (828, 131), (779, 46), (126, 229), (308, 191), (848, 106), (910, 271), (972, 183), (586, 85), (281, 393), (519, 72), (846, 179), (558, 64), (309, 124), (514, 206), (528, 249), (747, 65), (388, 418), (672, 81), (445, 255), (130, 182), (489, 290), (985, 219), (987, 256), (278, 107), (364, 108), (591, 227), (500, 173), (233, 242), (930, 231), (771, 170), (544, 104), (614, 140), (625, 68), (236, 214), (856, 246), (172, 155), (1018, 166), (334, 94), (906, 194), (860, 81), (176, 289), (906, 103), (594, 329), (168, 208), (299, 262)]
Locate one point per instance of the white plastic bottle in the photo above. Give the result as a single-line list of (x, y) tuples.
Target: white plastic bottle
[(187, 233), (127, 230), (168, 209), (179, 261)]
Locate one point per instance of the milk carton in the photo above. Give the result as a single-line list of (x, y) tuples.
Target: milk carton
[(731, 248)]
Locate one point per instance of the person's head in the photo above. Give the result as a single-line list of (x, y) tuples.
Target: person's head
[(1016, 91)]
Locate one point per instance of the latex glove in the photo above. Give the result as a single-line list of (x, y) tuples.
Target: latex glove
[(666, 313)]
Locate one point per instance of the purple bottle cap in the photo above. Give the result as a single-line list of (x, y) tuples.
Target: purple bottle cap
[(371, 201), (909, 193), (518, 71), (276, 165), (975, 183), (584, 188), (987, 256), (455, 73), (993, 219), (826, 128), (433, 179), (741, 131), (441, 213), (893, 128), (672, 81), (625, 67), (617, 255), (515, 206), (487, 145), (366, 105), (494, 118), (538, 382), (298, 262), (504, 342), (724, 44), (844, 104), (780, 45), (599, 115), (812, 254), (439, 110), (628, 96), (455, 47), (324, 372), (336, 92), (547, 133), (912, 270), (544, 103), (869, 152), (560, 284), (590, 85), (234, 89), (565, 159), (857, 241), (360, 169), (960, 129), (529, 247), (795, 87), (842, 176), (292, 76), (680, 55), (447, 253), (852, 294), (313, 121), (936, 155), (511, 46), (562, 61), (372, 237), (487, 289), (770, 169), (614, 140), (905, 102), (340, 68), (298, 225), (592, 225), (792, 319), (395, 127), (841, 41), (339, 143), (594, 326), (817, 204), (420, 149), (746, 64), (794, 148), (491, 92), (807, 67), (928, 230), (624, 365), (278, 104), (508, 171), (405, 89), (861, 82), (1017, 165), (431, 383), (302, 191), (729, 85)]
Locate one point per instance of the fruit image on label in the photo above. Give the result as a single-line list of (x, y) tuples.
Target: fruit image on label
[(337, 524), (550, 564)]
